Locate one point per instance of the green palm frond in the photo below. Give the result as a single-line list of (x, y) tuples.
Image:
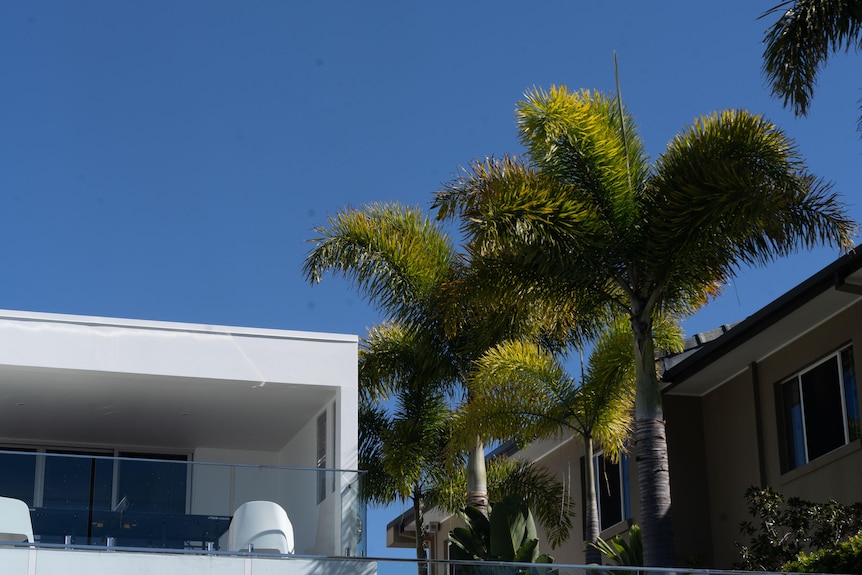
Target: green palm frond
[(577, 138), (549, 499), (394, 254), (801, 41), (392, 356), (733, 190), (403, 448), (518, 391), (373, 423)]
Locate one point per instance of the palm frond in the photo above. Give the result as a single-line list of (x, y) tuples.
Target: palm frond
[(394, 255), (393, 356), (733, 190), (578, 138), (518, 391), (800, 42)]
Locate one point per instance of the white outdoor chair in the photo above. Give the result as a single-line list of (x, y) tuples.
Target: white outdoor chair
[(263, 525), (15, 523)]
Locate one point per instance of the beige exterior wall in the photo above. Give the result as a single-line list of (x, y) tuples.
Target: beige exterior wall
[(739, 434), (732, 461)]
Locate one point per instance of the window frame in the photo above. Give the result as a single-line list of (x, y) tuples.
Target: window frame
[(795, 441), (624, 494)]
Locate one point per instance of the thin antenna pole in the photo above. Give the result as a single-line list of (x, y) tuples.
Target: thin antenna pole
[(622, 120)]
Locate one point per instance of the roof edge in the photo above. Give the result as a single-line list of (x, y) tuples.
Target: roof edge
[(832, 276), (100, 321)]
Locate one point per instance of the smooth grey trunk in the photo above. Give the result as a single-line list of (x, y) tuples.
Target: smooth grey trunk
[(653, 470), (477, 479), (419, 521), (591, 511)]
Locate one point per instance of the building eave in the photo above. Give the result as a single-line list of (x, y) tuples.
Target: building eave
[(822, 295)]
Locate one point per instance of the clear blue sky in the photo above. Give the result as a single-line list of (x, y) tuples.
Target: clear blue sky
[(168, 160)]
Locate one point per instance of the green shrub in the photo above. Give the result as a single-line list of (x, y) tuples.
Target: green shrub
[(784, 529), (846, 557)]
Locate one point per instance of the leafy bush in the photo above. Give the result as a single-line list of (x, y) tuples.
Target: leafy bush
[(846, 557), (784, 529)]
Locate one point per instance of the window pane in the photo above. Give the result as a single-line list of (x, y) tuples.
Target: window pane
[(824, 416), (18, 476), (321, 456), (70, 482), (793, 428), (70, 485), (851, 393), (608, 492), (152, 486)]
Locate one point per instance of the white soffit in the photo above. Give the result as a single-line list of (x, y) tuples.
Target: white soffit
[(84, 380)]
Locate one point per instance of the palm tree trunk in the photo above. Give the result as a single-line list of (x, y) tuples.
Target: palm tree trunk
[(419, 521), (653, 471), (591, 507), (477, 478)]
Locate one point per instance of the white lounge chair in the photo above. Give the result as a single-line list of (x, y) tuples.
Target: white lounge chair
[(15, 523), (263, 525)]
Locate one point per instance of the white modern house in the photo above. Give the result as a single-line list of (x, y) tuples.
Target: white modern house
[(134, 446)]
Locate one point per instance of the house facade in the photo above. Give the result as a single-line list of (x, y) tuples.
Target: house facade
[(127, 435), (770, 401)]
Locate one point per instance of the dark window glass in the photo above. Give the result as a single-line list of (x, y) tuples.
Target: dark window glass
[(819, 410), (152, 486), (18, 475), (76, 482), (609, 492), (612, 496), (794, 431), (321, 457), (824, 416), (71, 485)]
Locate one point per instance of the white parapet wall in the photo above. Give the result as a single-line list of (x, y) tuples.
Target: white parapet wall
[(26, 561)]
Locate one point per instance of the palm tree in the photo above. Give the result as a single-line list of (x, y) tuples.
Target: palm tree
[(800, 42), (403, 450), (400, 261), (400, 449), (406, 265), (520, 386), (587, 217)]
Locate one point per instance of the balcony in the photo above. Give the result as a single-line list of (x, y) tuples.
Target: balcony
[(135, 503)]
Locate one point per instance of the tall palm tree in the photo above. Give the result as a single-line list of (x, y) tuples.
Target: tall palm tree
[(400, 449), (519, 386), (800, 42), (400, 261), (406, 265), (586, 216)]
